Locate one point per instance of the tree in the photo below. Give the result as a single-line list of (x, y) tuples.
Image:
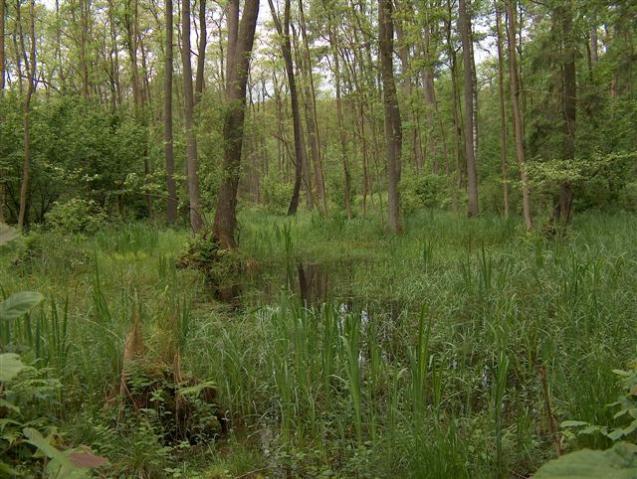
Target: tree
[(31, 71), (283, 30), (171, 207), (238, 64), (464, 26), (393, 132), (518, 127), (503, 118), (563, 15), (201, 51), (196, 220)]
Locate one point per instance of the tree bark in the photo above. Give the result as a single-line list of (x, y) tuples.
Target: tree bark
[(26, 165), (347, 177), (2, 58), (171, 187), (201, 51), (464, 27), (238, 66), (503, 121), (312, 117), (196, 220), (393, 133), (564, 14), (518, 121), (286, 50)]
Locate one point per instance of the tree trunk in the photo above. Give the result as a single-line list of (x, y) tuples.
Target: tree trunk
[(564, 14), (286, 50), (171, 187), (312, 118), (347, 177), (464, 27), (196, 221), (26, 165), (238, 66), (2, 59), (518, 125), (393, 133), (503, 120), (201, 51)]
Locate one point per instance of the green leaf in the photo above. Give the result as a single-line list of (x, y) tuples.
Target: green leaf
[(19, 304), (573, 423), (10, 366), (620, 462)]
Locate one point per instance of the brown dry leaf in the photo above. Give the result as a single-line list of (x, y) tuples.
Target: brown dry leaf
[(86, 459)]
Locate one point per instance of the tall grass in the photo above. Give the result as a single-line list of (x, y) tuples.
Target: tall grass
[(423, 361)]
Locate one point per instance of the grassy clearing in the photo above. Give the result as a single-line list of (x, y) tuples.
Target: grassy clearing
[(446, 352)]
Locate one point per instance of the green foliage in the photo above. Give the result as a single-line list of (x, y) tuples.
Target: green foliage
[(424, 191), (18, 304), (620, 462), (76, 216), (276, 194), (600, 180)]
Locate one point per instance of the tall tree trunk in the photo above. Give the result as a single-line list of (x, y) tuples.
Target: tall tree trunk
[(518, 121), (564, 15), (2, 58), (503, 120), (171, 187), (312, 117), (393, 133), (32, 71), (347, 177), (114, 58), (196, 220), (286, 50), (225, 223), (464, 20), (2, 75), (201, 51), (84, 13)]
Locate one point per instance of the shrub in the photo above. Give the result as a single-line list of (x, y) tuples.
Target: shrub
[(76, 216)]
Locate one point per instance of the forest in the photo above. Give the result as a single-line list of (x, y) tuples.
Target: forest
[(353, 239)]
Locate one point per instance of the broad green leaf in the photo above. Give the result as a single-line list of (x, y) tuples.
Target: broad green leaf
[(620, 462), (19, 304), (10, 366)]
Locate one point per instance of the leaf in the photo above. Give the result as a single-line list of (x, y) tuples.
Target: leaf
[(620, 462), (573, 423), (86, 459), (39, 441), (10, 366), (19, 304)]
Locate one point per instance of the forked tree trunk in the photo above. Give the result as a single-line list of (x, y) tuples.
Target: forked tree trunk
[(196, 221), (286, 50), (464, 20), (171, 206), (26, 165), (238, 65), (393, 133)]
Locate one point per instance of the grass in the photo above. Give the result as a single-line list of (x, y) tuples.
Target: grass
[(420, 356)]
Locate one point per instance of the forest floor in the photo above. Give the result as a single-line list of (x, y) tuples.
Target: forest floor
[(453, 350)]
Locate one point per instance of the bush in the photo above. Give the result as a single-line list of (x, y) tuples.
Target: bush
[(276, 194), (76, 216), (424, 191)]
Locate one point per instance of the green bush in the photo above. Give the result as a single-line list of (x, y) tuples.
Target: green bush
[(76, 216), (424, 191)]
